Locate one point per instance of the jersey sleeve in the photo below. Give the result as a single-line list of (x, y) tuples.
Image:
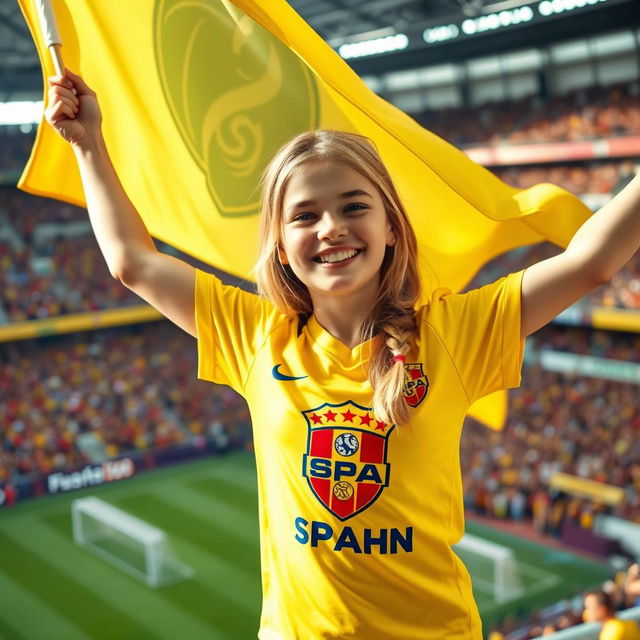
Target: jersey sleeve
[(231, 325), (480, 329)]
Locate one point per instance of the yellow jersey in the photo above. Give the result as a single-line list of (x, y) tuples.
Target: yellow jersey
[(619, 630), (357, 517)]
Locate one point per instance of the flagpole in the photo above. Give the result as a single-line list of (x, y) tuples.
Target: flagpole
[(50, 33)]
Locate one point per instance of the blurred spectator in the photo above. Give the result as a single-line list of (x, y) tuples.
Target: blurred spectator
[(598, 607), (631, 586), (540, 504), (517, 503)]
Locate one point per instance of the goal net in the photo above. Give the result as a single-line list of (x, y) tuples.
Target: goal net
[(127, 542), (492, 566)]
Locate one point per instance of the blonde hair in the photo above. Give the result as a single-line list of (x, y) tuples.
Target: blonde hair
[(391, 319)]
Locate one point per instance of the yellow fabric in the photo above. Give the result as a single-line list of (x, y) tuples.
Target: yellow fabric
[(357, 516), (620, 630), (197, 96)]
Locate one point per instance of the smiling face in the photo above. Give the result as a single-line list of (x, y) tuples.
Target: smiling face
[(335, 230)]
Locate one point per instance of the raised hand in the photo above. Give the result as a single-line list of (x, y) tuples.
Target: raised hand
[(73, 109)]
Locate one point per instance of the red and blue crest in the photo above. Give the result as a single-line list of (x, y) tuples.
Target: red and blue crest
[(346, 460), (416, 384)]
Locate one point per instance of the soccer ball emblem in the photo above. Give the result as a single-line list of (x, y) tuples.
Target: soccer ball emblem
[(346, 444), (342, 490)]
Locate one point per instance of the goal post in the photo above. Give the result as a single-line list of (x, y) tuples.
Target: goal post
[(493, 567), (131, 544)]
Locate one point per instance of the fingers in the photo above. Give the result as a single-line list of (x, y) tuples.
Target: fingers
[(71, 82), (56, 114), (64, 95), (63, 104), (62, 81), (78, 82), (58, 111), (52, 113), (57, 92), (63, 99)]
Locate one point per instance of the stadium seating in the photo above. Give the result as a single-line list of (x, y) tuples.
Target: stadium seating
[(579, 115)]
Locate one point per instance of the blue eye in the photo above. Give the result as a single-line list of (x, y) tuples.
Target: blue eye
[(304, 217), (359, 207)]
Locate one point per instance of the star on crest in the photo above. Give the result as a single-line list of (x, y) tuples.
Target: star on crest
[(366, 419)]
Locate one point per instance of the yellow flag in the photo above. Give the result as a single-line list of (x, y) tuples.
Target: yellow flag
[(196, 97)]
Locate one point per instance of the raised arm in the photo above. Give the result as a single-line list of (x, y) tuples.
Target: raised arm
[(598, 250), (163, 281)]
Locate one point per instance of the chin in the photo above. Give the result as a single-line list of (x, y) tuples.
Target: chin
[(340, 288)]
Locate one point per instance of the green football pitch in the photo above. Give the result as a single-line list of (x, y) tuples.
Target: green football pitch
[(52, 589)]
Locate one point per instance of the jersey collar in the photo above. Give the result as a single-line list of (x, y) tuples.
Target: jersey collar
[(322, 338)]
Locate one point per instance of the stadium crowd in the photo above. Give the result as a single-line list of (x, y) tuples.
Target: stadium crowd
[(46, 271), (582, 114), (602, 178), (67, 275), (622, 291), (25, 212), (87, 397), (559, 422)]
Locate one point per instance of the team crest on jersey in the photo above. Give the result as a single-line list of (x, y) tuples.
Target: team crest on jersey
[(346, 460), (416, 384)]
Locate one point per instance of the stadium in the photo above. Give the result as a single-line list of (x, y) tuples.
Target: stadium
[(130, 502)]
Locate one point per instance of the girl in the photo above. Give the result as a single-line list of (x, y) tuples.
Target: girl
[(357, 397)]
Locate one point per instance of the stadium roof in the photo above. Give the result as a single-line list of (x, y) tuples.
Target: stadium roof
[(340, 21)]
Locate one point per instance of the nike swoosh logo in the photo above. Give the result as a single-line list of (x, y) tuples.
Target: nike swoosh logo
[(281, 376)]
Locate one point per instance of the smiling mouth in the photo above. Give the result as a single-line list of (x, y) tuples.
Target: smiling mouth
[(337, 257)]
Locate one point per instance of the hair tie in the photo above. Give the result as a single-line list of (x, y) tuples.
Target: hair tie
[(400, 358)]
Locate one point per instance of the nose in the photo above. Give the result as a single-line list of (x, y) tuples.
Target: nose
[(331, 226)]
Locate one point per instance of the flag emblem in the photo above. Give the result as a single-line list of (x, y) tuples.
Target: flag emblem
[(346, 460), (416, 384), (235, 91)]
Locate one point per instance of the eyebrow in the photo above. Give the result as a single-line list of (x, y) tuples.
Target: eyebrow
[(342, 196)]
